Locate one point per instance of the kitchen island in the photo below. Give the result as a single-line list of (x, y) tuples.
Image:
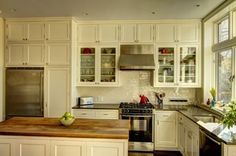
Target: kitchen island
[(47, 137)]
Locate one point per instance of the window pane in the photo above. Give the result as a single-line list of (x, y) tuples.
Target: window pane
[(223, 30), (224, 72)]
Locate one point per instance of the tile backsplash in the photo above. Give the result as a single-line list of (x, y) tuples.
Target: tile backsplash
[(132, 84)]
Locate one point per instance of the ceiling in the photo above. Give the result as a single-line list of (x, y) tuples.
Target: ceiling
[(109, 9)]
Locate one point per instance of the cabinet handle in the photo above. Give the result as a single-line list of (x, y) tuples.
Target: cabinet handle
[(46, 63), (23, 39), (26, 63), (23, 63)]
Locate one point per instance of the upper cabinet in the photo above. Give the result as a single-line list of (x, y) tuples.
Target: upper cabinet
[(17, 31), (98, 33), (137, 33), (97, 65), (178, 66), (25, 31), (58, 31), (184, 33)]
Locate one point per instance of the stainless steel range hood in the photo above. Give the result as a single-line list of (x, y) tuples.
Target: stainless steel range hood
[(137, 57)]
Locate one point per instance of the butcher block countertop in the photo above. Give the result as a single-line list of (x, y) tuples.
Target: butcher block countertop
[(51, 127)]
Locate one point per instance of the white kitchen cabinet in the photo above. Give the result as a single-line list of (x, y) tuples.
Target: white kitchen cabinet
[(68, 148), (25, 55), (6, 147), (229, 150), (58, 54), (25, 31), (58, 30), (165, 130), (96, 113), (188, 137), (28, 147), (137, 33), (181, 133), (183, 32), (177, 65), (98, 33), (57, 91), (106, 149), (98, 65)]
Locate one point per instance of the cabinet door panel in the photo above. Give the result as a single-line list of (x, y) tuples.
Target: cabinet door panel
[(165, 33), (35, 31), (15, 55), (32, 148), (35, 54), (87, 33), (57, 91), (58, 54), (5, 148), (108, 33), (58, 31), (105, 149), (188, 32), (67, 148), (128, 32), (15, 31), (144, 33)]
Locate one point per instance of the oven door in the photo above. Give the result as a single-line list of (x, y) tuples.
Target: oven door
[(140, 127)]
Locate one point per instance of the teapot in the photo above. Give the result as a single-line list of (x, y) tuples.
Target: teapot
[(143, 99)]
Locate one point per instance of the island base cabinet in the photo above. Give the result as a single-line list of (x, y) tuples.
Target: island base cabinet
[(32, 148), (6, 147), (106, 149), (68, 148), (44, 146)]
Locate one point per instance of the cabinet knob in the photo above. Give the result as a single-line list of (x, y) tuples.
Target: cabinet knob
[(26, 39), (46, 63), (46, 38), (23, 63)]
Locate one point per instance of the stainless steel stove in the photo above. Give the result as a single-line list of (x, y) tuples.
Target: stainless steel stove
[(141, 125)]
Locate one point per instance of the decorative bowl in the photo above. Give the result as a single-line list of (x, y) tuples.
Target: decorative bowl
[(67, 122)]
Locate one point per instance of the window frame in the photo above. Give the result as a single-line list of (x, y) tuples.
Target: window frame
[(233, 59), (216, 28)]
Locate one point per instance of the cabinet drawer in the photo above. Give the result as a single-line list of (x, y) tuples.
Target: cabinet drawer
[(165, 115), (107, 114), (83, 113)]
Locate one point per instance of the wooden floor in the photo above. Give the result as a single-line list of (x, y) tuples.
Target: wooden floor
[(156, 153)]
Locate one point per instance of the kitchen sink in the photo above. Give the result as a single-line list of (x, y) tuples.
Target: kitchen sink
[(207, 118)]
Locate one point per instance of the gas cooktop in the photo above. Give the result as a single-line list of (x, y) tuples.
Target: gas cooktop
[(136, 108)]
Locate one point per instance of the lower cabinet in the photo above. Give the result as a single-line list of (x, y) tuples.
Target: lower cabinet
[(24, 146), (188, 136), (96, 113), (229, 150), (165, 130)]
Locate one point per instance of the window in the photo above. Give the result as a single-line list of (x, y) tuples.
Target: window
[(223, 29), (224, 75)]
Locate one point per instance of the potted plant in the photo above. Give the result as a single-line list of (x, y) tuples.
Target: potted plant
[(213, 94)]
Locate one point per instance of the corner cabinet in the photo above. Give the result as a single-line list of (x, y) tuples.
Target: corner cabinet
[(178, 65), (97, 66)]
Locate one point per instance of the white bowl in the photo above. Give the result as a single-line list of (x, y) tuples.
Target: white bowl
[(67, 122)]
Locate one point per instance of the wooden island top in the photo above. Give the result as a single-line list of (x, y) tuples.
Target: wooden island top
[(51, 127)]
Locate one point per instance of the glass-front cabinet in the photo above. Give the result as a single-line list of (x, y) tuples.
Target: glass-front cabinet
[(97, 66), (177, 65)]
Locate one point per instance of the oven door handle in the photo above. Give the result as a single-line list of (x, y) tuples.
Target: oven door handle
[(136, 115), (209, 137)]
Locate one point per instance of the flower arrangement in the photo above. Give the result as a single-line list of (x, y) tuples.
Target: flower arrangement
[(213, 93)]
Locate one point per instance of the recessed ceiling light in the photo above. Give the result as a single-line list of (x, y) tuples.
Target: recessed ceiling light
[(197, 5), (154, 12), (85, 14)]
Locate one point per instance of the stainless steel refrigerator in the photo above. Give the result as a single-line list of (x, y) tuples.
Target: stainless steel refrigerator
[(24, 92)]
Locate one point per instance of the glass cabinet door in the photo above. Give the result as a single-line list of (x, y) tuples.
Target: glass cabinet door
[(108, 64), (87, 64), (187, 58), (166, 62)]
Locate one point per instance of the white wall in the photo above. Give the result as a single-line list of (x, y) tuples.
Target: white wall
[(133, 83), (2, 108)]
